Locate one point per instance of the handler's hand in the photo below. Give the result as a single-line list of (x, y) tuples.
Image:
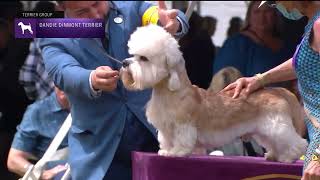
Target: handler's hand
[(49, 174), (312, 171), (104, 78), (248, 84), (168, 18)]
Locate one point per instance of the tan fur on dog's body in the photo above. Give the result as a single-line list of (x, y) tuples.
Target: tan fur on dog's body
[(188, 117)]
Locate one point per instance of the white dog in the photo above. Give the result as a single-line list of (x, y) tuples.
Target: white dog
[(25, 27), (188, 117)]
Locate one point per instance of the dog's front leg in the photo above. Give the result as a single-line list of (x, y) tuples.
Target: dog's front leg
[(184, 140), (164, 142)]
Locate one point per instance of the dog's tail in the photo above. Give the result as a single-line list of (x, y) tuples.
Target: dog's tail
[(223, 78), (297, 111)]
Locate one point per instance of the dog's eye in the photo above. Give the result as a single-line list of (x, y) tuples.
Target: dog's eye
[(143, 58)]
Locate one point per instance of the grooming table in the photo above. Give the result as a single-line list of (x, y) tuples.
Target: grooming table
[(150, 166)]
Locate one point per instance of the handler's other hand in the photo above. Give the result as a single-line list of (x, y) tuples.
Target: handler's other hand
[(312, 172), (168, 18), (244, 85), (104, 78), (51, 173)]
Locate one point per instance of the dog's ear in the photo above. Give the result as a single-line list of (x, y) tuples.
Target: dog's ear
[(173, 58), (174, 81)]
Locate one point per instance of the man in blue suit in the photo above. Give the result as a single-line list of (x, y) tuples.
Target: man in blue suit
[(108, 121)]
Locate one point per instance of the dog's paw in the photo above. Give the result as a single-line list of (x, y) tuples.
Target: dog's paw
[(285, 159), (179, 152), (270, 156), (163, 152)]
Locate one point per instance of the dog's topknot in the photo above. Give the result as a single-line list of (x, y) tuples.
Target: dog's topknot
[(152, 37)]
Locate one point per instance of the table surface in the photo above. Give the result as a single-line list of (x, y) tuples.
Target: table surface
[(150, 166)]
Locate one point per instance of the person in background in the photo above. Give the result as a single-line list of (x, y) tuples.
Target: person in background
[(198, 51), (258, 46), (209, 24), (304, 66), (108, 121), (40, 124), (235, 25)]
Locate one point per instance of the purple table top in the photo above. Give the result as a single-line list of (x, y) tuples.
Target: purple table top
[(150, 166)]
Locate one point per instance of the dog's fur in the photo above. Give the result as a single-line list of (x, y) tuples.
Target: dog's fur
[(25, 27), (188, 117)]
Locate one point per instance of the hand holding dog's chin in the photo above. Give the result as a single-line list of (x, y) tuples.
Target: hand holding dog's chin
[(243, 86), (104, 78)]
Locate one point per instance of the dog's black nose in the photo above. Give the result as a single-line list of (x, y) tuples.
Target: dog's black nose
[(126, 63)]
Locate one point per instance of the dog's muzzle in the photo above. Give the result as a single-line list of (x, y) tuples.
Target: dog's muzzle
[(126, 63)]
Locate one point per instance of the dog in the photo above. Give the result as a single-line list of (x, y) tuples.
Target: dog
[(188, 118), (25, 27)]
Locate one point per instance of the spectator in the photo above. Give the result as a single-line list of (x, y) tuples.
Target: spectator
[(258, 46), (39, 126), (198, 52), (235, 25), (209, 24)]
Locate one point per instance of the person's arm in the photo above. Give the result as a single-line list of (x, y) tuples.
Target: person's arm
[(18, 161), (282, 72), (69, 75)]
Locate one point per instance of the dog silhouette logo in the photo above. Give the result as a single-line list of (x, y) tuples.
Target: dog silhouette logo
[(25, 27)]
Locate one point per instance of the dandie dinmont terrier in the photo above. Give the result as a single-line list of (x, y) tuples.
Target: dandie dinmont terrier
[(188, 117)]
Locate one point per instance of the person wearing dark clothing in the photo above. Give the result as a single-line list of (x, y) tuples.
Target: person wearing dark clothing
[(198, 52)]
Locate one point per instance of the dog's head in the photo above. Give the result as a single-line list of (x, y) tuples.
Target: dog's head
[(155, 57)]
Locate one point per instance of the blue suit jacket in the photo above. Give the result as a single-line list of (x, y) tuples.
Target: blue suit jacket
[(97, 122)]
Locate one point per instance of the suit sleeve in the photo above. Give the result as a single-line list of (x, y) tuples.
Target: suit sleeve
[(65, 70)]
